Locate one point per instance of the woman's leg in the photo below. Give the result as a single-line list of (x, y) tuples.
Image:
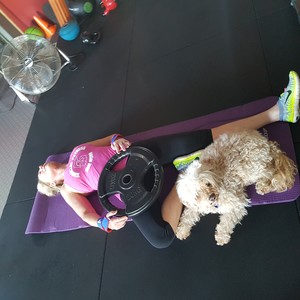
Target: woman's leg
[(154, 228), (253, 122), (158, 224), (170, 146), (172, 208)]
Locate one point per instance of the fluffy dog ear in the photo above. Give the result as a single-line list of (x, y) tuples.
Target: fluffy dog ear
[(187, 183)]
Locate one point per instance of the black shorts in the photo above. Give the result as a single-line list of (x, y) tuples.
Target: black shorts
[(151, 224), (168, 147)]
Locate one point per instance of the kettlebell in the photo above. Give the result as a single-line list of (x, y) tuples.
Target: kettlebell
[(80, 8)]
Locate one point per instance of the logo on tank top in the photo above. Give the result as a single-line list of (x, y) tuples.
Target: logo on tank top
[(80, 161)]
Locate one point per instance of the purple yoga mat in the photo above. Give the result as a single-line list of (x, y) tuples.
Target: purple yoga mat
[(54, 215)]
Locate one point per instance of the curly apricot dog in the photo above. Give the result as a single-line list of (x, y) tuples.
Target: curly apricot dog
[(216, 182)]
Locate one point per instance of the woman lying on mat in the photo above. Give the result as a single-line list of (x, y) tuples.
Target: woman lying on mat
[(160, 221)]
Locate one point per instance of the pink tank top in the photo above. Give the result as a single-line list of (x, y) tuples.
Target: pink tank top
[(85, 165)]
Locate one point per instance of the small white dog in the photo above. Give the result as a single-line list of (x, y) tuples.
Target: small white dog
[(216, 182)]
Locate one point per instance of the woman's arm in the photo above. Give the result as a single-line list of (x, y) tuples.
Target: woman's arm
[(83, 208), (116, 141), (101, 142)]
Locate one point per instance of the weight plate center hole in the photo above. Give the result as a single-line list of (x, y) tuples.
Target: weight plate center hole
[(126, 179)]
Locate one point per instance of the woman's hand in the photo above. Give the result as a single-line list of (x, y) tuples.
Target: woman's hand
[(116, 223), (120, 144)]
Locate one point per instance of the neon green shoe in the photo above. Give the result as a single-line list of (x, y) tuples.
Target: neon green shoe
[(182, 162), (288, 102)]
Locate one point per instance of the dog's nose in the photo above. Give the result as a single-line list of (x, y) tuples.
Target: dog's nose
[(212, 197)]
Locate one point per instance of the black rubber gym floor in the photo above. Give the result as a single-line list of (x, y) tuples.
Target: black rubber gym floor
[(158, 62)]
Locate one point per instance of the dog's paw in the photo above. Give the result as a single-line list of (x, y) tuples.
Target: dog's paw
[(260, 190), (222, 239), (182, 233)]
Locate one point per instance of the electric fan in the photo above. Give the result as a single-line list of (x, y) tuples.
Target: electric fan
[(31, 65)]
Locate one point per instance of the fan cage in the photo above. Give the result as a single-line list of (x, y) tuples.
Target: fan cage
[(30, 64)]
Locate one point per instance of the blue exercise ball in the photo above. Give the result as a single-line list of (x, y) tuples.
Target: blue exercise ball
[(70, 31)]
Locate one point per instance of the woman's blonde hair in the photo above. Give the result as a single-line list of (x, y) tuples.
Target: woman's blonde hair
[(48, 190)]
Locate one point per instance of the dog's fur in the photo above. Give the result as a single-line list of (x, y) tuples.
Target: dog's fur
[(216, 183)]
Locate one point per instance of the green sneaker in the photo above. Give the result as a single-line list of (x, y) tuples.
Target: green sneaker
[(288, 102), (182, 162)]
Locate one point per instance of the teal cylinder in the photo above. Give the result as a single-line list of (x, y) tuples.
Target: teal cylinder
[(69, 31)]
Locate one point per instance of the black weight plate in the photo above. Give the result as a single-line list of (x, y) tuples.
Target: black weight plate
[(139, 182)]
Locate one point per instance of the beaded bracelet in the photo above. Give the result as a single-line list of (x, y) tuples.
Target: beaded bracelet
[(102, 223), (115, 136)]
